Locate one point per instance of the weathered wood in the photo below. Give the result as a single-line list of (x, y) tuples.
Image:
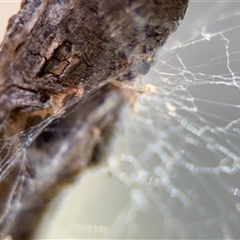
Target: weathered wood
[(58, 52), (57, 48)]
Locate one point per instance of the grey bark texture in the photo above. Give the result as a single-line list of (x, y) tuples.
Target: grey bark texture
[(61, 51)]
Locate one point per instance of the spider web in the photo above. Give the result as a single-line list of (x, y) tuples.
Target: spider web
[(174, 160), (187, 169), (183, 154)]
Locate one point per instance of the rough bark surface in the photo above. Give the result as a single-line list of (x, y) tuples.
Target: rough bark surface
[(61, 50), (57, 48)]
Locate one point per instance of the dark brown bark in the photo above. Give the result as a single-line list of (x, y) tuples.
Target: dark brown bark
[(56, 53), (57, 48)]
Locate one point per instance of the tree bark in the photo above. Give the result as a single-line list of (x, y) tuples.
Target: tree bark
[(56, 53), (58, 48)]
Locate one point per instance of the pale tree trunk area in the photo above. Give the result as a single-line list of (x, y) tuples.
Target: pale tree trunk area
[(62, 64)]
